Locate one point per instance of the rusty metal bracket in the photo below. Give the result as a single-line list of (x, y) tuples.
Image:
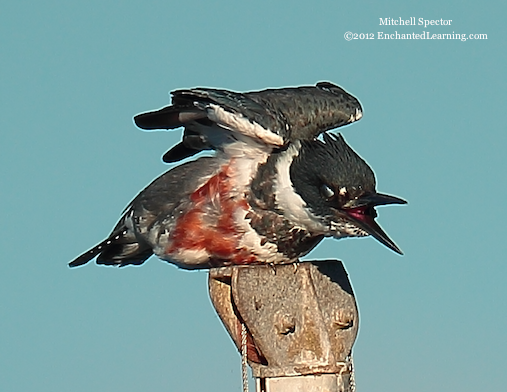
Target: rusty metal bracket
[(301, 319)]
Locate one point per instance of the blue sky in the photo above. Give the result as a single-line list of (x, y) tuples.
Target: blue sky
[(75, 73)]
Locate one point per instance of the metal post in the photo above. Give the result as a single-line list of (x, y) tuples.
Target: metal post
[(301, 322)]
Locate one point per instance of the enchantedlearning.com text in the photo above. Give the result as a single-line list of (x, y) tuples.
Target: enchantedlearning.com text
[(424, 35)]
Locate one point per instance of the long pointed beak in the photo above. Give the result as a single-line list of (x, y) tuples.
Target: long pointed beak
[(376, 199), (361, 211)]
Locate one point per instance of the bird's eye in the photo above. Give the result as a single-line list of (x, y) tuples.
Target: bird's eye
[(326, 191)]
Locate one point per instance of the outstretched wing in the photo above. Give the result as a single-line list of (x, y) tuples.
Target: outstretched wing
[(272, 117)]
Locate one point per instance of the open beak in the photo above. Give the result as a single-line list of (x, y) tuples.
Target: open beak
[(361, 211)]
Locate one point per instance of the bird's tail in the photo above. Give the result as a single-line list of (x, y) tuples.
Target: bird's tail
[(120, 248)]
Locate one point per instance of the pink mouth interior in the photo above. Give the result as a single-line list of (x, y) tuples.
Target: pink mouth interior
[(360, 213)]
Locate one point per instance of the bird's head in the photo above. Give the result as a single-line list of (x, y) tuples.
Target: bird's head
[(338, 188)]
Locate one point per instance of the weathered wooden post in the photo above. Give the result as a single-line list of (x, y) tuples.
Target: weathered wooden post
[(300, 323)]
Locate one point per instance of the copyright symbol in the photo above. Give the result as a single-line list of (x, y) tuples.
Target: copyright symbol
[(348, 35)]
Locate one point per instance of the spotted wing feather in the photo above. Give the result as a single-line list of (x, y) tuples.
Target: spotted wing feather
[(296, 113)]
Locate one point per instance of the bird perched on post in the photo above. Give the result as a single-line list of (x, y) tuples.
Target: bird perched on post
[(272, 117), (249, 204)]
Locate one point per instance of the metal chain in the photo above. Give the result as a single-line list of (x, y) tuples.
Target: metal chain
[(244, 358)]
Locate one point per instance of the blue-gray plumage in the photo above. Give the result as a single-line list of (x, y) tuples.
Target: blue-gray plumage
[(248, 206), (270, 193)]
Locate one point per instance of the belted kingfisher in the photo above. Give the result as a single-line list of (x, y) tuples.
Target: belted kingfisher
[(248, 204), (272, 117)]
